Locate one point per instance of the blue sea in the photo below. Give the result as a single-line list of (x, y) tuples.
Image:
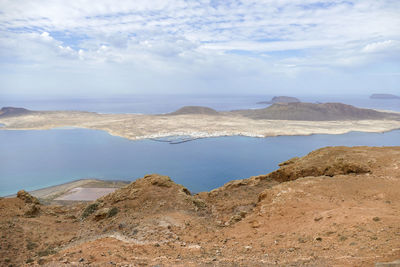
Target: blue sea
[(35, 159)]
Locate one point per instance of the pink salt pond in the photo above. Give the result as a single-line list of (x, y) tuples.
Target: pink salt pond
[(85, 194)]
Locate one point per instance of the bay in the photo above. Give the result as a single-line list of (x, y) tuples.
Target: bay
[(33, 159)]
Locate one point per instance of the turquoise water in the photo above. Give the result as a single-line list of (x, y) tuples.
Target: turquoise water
[(35, 159)]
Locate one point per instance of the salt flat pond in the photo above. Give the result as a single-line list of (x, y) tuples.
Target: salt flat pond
[(35, 159)]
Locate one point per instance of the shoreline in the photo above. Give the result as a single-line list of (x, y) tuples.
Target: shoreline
[(183, 136), (50, 193), (190, 123)]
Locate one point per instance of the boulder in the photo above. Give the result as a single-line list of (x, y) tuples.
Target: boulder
[(26, 197)]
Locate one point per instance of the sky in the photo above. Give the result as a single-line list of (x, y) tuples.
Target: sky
[(296, 47)]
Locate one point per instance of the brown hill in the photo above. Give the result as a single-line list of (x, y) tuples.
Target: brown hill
[(335, 206), (11, 111), (315, 112), (195, 110)]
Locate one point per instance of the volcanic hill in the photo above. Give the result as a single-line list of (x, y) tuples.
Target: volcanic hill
[(12, 111), (194, 110), (315, 112)]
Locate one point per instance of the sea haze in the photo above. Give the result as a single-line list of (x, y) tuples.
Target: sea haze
[(155, 104), (37, 158)]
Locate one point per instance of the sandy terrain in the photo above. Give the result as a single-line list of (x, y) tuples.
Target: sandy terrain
[(85, 194), (136, 127), (51, 193)]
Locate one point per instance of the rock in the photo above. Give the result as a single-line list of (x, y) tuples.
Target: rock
[(255, 224), (26, 197), (32, 210), (317, 219), (160, 180), (247, 248), (89, 210), (301, 240), (322, 162), (288, 162), (376, 219), (237, 217), (112, 212), (199, 203), (101, 214), (395, 263)]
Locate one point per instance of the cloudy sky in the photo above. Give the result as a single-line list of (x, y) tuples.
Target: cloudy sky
[(172, 46)]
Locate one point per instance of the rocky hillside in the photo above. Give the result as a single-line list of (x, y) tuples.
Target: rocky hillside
[(335, 206), (315, 112)]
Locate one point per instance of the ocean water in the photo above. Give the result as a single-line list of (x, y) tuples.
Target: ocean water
[(156, 104), (146, 104), (34, 159)]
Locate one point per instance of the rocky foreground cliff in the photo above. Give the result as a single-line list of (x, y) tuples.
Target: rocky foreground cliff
[(335, 206)]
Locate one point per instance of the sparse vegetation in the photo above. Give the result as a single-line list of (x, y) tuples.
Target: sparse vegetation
[(48, 251), (31, 245), (112, 212), (90, 209)]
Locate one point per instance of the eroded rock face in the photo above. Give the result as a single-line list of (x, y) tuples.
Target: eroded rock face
[(149, 184), (150, 194), (323, 162), (26, 197), (104, 213), (31, 210)]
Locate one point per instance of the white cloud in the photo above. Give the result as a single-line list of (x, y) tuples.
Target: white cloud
[(380, 46), (226, 39)]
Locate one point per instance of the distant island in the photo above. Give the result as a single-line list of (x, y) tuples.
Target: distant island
[(384, 96), (193, 122), (281, 99), (194, 110)]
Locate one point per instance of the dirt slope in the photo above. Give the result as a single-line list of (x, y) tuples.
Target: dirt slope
[(337, 206)]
